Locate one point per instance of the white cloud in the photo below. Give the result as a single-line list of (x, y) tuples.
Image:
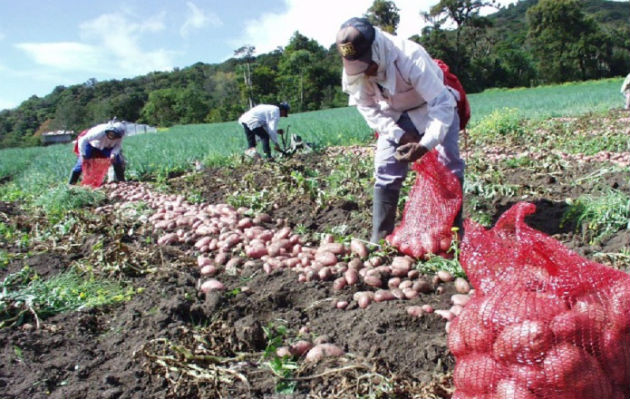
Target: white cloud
[(62, 55), (316, 21), (110, 46), (198, 19)]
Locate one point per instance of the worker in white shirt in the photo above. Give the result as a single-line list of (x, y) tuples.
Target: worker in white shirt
[(400, 92), (625, 90), (101, 141), (262, 121)]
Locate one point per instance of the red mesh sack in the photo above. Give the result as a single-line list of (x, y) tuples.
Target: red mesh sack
[(433, 204), (94, 171), (543, 322)]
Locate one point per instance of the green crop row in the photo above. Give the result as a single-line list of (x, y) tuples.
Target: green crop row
[(30, 171)]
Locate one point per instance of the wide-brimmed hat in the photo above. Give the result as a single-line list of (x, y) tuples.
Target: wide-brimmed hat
[(354, 43)]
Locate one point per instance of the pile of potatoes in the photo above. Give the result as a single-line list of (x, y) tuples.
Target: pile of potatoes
[(218, 234)]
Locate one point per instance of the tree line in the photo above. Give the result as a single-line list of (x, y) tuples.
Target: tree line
[(530, 43)]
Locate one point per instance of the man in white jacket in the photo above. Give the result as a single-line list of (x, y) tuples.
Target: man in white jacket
[(262, 121), (399, 90), (104, 141)]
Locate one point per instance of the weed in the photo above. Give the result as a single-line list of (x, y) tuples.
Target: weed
[(281, 367), (24, 293), (58, 201), (599, 217)]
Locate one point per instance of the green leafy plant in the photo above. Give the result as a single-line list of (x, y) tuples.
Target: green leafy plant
[(61, 199), (599, 217), (25, 294), (282, 367)]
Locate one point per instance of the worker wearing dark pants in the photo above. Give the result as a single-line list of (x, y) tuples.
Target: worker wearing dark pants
[(262, 134), (90, 152), (390, 173)]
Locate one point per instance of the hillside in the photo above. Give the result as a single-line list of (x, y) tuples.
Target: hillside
[(303, 73)]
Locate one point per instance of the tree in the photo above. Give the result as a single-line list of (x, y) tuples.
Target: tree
[(465, 15), (160, 108), (567, 45), (246, 53), (384, 14)]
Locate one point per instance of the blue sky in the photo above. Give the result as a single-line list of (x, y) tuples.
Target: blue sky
[(46, 43)]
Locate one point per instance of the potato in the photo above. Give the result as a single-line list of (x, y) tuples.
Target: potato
[(510, 389), (209, 270), (358, 248), (532, 376), (283, 351), (335, 248), (525, 342), (415, 311), (445, 314), (383, 295), (364, 299), (212, 285), (323, 350), (203, 261), (351, 276), (461, 285), (326, 258), (455, 340), (342, 304), (460, 299), (427, 308), (339, 283), (410, 293), (373, 280), (477, 373), (393, 283), (575, 373), (355, 264), (444, 276), (300, 347)]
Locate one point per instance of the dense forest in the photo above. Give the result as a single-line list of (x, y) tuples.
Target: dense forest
[(530, 43)]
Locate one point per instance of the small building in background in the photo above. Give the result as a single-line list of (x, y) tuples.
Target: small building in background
[(132, 129), (56, 137)]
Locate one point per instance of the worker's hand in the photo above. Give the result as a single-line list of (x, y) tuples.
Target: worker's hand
[(410, 152), (408, 137), (280, 131)]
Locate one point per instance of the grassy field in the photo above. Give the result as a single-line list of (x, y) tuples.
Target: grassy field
[(28, 172)]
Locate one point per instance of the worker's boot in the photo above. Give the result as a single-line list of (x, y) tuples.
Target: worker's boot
[(119, 172), (74, 177), (383, 213)]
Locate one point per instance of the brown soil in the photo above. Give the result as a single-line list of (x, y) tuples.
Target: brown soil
[(171, 341)]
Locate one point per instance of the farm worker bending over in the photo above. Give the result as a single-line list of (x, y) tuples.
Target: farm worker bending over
[(103, 140), (625, 89), (262, 121), (399, 90)]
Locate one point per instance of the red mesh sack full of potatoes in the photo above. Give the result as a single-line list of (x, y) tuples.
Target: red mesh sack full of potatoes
[(434, 201), (543, 322), (94, 171)]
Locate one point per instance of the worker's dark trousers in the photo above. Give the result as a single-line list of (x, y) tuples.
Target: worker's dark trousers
[(262, 134)]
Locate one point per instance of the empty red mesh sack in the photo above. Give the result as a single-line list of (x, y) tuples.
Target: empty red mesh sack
[(433, 204), (543, 322), (94, 171)]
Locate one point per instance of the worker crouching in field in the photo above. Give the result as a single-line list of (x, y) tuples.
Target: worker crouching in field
[(399, 90), (101, 141), (262, 121)]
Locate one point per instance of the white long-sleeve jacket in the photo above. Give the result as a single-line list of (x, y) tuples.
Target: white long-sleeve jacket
[(97, 137), (265, 115), (407, 80)]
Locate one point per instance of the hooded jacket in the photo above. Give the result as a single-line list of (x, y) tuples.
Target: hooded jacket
[(408, 80)]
